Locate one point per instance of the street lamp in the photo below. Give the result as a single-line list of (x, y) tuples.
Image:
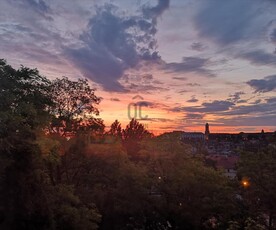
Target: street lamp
[(245, 183)]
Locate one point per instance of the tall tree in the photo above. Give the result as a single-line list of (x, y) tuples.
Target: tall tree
[(116, 129), (27, 199), (24, 98), (132, 135), (74, 105)]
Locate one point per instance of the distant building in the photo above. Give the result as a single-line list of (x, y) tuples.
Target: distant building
[(195, 139), (193, 136), (226, 163), (227, 144), (196, 136)]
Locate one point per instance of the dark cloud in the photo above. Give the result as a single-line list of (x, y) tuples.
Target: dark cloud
[(154, 12), (193, 99), (115, 42), (263, 85), (183, 91), (259, 57), (227, 22), (190, 64), (227, 113), (238, 23), (180, 78), (198, 46), (99, 65), (156, 82), (260, 120), (115, 99), (207, 107), (194, 116), (147, 77), (257, 114), (236, 96), (271, 100), (215, 106), (29, 36), (253, 109)]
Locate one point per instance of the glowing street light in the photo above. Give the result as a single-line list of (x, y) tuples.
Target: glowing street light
[(245, 183)]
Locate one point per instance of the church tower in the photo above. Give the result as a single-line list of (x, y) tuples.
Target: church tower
[(207, 131)]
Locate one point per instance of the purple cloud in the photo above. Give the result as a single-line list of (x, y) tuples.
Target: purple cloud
[(115, 42), (263, 85), (190, 64)]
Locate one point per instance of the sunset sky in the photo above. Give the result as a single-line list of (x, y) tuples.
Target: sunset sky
[(190, 61)]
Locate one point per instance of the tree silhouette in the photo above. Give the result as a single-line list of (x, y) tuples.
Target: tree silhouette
[(132, 136), (28, 199), (116, 129), (24, 98), (74, 105)]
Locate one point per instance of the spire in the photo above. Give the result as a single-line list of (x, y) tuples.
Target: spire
[(207, 131)]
